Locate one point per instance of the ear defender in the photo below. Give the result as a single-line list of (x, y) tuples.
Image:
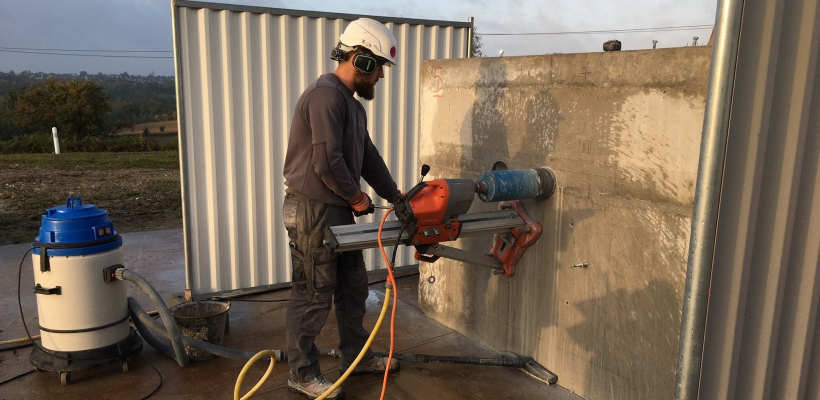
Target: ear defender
[(365, 63), (337, 54)]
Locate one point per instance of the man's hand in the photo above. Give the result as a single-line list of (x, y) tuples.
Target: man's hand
[(394, 199), (361, 204)]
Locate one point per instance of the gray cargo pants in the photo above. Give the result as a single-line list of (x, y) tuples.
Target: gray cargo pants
[(321, 279)]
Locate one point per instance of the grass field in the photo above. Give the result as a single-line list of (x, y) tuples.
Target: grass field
[(167, 136), (140, 191), (154, 127), (85, 161)]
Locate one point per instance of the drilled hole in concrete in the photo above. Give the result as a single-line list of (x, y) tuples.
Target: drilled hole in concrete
[(572, 224)]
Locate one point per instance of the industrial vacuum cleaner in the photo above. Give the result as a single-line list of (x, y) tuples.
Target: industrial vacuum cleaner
[(84, 312), (83, 316)]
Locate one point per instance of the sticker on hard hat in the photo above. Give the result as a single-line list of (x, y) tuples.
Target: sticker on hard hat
[(393, 51)]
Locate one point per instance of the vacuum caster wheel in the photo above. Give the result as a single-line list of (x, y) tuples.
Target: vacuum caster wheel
[(125, 366), (65, 378)]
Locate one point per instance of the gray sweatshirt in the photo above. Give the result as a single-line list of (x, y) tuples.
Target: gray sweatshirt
[(329, 148)]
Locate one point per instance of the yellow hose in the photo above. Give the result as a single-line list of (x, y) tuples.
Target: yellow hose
[(339, 381), (21, 340), (356, 362), (245, 370)]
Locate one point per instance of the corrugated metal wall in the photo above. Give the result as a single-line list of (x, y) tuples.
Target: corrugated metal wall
[(762, 339), (239, 73)]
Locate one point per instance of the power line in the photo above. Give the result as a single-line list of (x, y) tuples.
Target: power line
[(95, 51), (49, 51), (660, 29), (80, 55)]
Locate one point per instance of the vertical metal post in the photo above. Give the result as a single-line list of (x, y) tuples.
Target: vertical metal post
[(189, 275), (470, 38), (56, 140), (707, 197)]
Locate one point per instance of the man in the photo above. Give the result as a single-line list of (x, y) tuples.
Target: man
[(329, 150)]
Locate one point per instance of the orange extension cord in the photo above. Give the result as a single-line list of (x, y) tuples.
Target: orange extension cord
[(392, 280)]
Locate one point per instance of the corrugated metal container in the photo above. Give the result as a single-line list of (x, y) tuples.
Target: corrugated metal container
[(762, 332), (239, 72)]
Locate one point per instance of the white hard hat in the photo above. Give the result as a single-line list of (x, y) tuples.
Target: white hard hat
[(371, 35)]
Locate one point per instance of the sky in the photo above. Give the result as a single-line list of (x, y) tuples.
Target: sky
[(140, 25)]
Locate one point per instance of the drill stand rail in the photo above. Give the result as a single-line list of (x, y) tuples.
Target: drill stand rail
[(515, 232), (366, 236)]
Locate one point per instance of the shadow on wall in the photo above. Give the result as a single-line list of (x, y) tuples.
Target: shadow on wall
[(519, 126), (488, 137), (482, 291), (619, 338)]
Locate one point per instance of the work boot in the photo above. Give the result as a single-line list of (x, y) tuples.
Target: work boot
[(375, 365), (315, 387)]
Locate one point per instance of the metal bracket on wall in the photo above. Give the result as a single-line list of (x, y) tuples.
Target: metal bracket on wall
[(510, 246)]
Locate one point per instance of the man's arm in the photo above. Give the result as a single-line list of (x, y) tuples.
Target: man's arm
[(376, 174), (325, 111)]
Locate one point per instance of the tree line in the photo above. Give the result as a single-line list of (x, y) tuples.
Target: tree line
[(81, 105), (84, 104)]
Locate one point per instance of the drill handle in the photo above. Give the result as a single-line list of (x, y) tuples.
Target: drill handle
[(413, 192), (403, 210)]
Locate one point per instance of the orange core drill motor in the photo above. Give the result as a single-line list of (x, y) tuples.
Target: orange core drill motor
[(430, 212)]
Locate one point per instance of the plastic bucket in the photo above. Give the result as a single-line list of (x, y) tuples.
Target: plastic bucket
[(202, 320)]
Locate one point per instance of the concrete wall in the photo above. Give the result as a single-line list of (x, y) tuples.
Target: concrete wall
[(622, 133)]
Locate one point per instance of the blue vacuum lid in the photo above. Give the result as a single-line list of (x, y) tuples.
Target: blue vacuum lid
[(75, 223)]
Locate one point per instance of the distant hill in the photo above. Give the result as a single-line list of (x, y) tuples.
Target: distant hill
[(12, 80), (134, 99)]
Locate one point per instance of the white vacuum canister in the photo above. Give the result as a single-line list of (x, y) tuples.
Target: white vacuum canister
[(79, 307)]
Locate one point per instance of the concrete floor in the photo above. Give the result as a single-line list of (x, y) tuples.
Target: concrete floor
[(158, 257)]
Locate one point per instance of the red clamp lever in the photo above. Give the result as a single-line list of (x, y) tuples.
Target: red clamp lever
[(509, 247)]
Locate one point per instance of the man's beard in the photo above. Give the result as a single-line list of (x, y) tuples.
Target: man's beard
[(364, 89)]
